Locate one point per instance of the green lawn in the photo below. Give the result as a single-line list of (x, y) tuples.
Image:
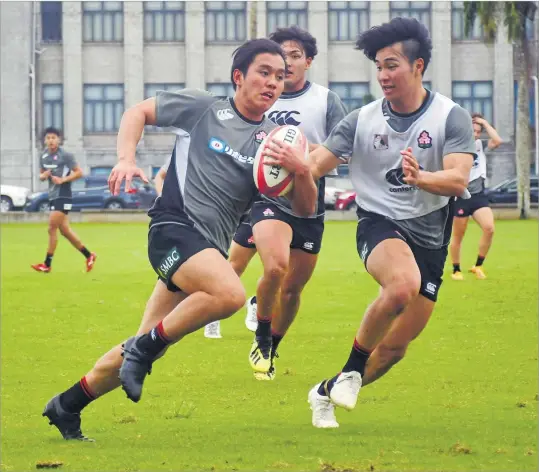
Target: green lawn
[(465, 397)]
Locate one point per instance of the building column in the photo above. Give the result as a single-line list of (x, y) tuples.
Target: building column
[(133, 53), (73, 86), (379, 14), (195, 40), (261, 19), (503, 93), (440, 65), (318, 25)]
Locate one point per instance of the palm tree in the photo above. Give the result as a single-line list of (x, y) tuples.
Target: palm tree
[(514, 16)]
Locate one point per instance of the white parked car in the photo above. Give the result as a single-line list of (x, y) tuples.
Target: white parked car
[(12, 197), (331, 195)]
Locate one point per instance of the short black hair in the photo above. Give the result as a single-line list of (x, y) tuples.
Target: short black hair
[(298, 35), (415, 38), (52, 130), (245, 55)]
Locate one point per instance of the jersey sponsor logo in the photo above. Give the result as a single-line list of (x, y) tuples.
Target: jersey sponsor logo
[(431, 288), (259, 137), (424, 141), (171, 260), (225, 114), (222, 147), (381, 142), (284, 117), (396, 178)]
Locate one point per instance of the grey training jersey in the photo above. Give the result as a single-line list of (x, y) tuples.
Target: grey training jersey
[(60, 163), (210, 185), (373, 137), (316, 110)]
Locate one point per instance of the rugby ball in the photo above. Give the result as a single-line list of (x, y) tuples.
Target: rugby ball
[(276, 181)]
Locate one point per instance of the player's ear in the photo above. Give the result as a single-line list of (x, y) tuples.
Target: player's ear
[(309, 62), (238, 77)]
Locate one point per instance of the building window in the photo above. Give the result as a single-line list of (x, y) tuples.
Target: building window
[(285, 14), (457, 24), (164, 21), (103, 107), (220, 89), (474, 97), (53, 106), (418, 10), (150, 90), (51, 22), (352, 94), (347, 19), (103, 21), (226, 21)]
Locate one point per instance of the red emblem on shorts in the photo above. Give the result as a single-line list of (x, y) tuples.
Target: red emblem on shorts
[(251, 240), (461, 211)]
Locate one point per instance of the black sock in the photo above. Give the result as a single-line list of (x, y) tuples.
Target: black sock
[(263, 329), (85, 252), (153, 342), (479, 261), (276, 339), (253, 300), (48, 259), (357, 360), (77, 397), (456, 268)]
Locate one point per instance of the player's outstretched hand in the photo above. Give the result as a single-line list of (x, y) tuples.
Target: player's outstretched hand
[(124, 171), (410, 167), (292, 158)]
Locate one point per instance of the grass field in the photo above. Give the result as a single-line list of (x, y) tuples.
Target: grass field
[(465, 397)]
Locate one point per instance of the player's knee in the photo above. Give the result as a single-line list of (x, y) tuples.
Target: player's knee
[(402, 293), (489, 230), (276, 269), (232, 299), (52, 229)]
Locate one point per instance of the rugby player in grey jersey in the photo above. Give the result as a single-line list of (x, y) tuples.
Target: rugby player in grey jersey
[(193, 221), (409, 154)]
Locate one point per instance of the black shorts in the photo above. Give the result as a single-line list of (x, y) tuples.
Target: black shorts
[(373, 229), (244, 233), (465, 208), (170, 245), (63, 204), (306, 232)]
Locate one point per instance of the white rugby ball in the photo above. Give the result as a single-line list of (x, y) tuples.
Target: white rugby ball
[(276, 181)]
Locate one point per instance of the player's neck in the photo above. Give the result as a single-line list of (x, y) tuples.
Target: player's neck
[(297, 87), (410, 103), (243, 109)]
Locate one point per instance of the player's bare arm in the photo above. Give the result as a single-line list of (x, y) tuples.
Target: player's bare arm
[(322, 161), (44, 175), (75, 174), (131, 128), (494, 138), (452, 181)]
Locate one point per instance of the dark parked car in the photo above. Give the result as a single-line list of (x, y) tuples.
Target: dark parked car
[(506, 192), (93, 193)]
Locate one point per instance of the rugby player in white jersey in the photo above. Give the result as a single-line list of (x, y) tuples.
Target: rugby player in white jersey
[(410, 153)]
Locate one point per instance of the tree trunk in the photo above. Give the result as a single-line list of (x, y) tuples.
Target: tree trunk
[(523, 133), (253, 19)]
